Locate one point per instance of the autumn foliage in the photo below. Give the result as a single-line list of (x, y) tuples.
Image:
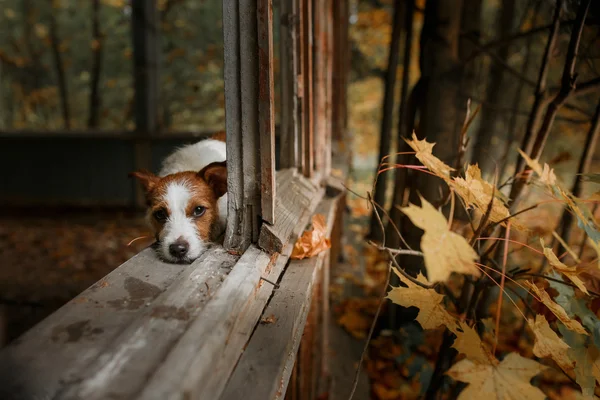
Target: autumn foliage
[(563, 324)]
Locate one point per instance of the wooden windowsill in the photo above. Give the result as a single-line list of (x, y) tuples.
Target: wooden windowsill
[(155, 330)]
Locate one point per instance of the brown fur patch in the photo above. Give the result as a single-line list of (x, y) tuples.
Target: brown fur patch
[(220, 136)]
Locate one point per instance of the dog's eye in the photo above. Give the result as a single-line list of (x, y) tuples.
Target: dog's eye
[(198, 211), (160, 215)]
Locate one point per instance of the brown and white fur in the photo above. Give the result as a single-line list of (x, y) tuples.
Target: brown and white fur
[(187, 201)]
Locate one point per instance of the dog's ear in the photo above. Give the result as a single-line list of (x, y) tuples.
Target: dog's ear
[(215, 174), (146, 178)]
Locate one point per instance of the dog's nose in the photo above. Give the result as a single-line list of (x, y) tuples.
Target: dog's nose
[(179, 248)]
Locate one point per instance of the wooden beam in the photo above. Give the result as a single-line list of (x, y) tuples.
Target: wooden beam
[(263, 371), (307, 83), (300, 11), (42, 362), (200, 369), (266, 110), (320, 83), (289, 58), (297, 198), (241, 121), (122, 369), (330, 49)]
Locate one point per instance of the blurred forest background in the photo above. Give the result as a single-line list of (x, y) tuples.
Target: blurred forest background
[(67, 65)]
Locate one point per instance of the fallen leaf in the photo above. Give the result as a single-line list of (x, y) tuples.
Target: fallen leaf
[(444, 251), (548, 343), (569, 272), (268, 320), (432, 312), (469, 343), (355, 323), (478, 193), (507, 380), (424, 153), (313, 241), (556, 309)]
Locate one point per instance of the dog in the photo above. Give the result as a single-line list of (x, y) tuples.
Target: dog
[(187, 200)]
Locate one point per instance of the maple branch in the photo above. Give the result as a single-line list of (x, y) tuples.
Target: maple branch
[(585, 164), (396, 251), (567, 88), (514, 215), (486, 216), (405, 274), (540, 90), (526, 275), (371, 330)]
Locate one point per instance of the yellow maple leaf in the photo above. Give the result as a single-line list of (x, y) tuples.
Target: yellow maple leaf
[(432, 312), (469, 343), (556, 309), (545, 173), (478, 193), (508, 379), (548, 344), (424, 151), (569, 272), (444, 251)]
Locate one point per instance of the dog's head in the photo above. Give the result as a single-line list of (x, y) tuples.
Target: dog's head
[(183, 210)]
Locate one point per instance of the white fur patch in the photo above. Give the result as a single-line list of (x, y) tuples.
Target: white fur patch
[(179, 225)]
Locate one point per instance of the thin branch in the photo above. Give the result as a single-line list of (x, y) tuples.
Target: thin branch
[(60, 70), (97, 49), (585, 163), (407, 276), (540, 90), (371, 330), (486, 216), (567, 87), (514, 215), (385, 135), (396, 251)]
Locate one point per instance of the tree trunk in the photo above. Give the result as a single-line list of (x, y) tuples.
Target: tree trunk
[(440, 118), (492, 129), (60, 71), (97, 48), (376, 231), (392, 239)]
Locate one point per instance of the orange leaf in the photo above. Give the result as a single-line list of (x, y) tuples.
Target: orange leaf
[(312, 242)]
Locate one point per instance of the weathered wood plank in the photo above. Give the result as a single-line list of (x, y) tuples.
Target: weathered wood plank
[(266, 110), (233, 115), (297, 197), (124, 366), (288, 39), (307, 22), (250, 135), (300, 11), (199, 369), (243, 138), (320, 83), (39, 363), (208, 347), (264, 369), (329, 89)]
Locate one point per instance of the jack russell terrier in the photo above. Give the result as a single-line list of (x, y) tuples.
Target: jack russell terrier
[(187, 201)]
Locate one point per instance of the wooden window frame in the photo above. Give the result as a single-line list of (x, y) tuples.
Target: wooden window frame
[(155, 330)]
